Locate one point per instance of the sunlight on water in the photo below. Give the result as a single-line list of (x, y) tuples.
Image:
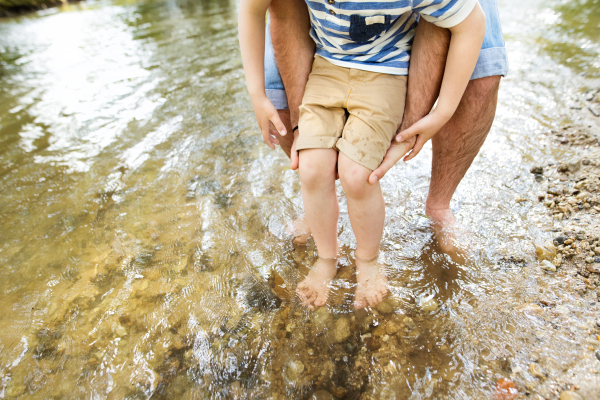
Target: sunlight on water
[(143, 235)]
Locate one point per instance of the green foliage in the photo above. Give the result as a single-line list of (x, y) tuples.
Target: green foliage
[(6, 6)]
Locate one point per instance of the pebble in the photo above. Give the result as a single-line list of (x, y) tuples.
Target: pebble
[(559, 240), (545, 252), (589, 260), (548, 266), (598, 323), (597, 250), (430, 305), (598, 355), (409, 323), (294, 371), (537, 170), (536, 371), (505, 390), (570, 395), (342, 330), (557, 261)]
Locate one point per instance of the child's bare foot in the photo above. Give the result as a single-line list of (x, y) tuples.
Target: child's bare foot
[(300, 231), (313, 291), (371, 285)]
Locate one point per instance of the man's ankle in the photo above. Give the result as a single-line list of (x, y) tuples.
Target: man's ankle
[(440, 214)]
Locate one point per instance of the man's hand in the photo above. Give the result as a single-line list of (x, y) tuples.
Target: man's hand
[(396, 151), (267, 117), (422, 131)]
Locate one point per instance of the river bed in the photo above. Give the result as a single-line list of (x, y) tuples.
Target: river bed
[(143, 245)]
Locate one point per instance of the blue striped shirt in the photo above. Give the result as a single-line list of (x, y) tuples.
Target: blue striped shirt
[(376, 35)]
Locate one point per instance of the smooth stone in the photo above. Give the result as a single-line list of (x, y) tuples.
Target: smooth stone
[(559, 240), (597, 250), (537, 170), (570, 395), (342, 330), (598, 355), (589, 260), (548, 266), (409, 323), (385, 307), (321, 315), (546, 251), (430, 305), (294, 370)]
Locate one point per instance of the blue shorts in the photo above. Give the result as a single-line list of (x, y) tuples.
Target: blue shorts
[(492, 58)]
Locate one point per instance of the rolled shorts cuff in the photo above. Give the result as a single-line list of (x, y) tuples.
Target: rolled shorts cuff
[(492, 61), (305, 143), (357, 155), (278, 98)]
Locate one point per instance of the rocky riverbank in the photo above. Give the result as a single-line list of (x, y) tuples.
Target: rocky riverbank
[(570, 191)]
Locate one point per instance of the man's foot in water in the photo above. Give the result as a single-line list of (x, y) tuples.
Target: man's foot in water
[(371, 285), (299, 231), (445, 233), (313, 291)]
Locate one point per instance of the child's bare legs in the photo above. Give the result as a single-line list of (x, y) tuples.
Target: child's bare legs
[(367, 213), (317, 176)]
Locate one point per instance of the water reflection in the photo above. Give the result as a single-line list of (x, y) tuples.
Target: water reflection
[(143, 235)]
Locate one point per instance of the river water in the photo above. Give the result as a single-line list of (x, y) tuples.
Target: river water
[(143, 250)]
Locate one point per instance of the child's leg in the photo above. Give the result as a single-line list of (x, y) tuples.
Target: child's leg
[(317, 175), (365, 206), (367, 213)]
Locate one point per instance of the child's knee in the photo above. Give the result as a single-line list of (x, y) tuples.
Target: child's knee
[(354, 178), (317, 166)]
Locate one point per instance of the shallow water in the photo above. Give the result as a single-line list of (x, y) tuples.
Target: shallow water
[(142, 240)]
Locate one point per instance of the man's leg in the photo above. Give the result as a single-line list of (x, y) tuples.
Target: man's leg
[(458, 142)]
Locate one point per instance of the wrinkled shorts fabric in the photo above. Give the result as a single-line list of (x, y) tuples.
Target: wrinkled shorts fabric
[(492, 58), (350, 110)]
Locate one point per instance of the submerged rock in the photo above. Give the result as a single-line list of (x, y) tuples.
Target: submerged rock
[(293, 371), (321, 315), (385, 307), (342, 330), (430, 305), (255, 292)]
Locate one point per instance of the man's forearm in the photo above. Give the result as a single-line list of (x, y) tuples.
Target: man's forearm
[(294, 49)]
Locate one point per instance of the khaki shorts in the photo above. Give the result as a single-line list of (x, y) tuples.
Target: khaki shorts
[(350, 110)]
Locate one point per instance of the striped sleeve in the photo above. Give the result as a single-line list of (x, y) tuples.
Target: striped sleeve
[(444, 13)]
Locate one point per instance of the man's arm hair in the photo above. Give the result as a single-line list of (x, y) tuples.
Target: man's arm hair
[(294, 49)]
